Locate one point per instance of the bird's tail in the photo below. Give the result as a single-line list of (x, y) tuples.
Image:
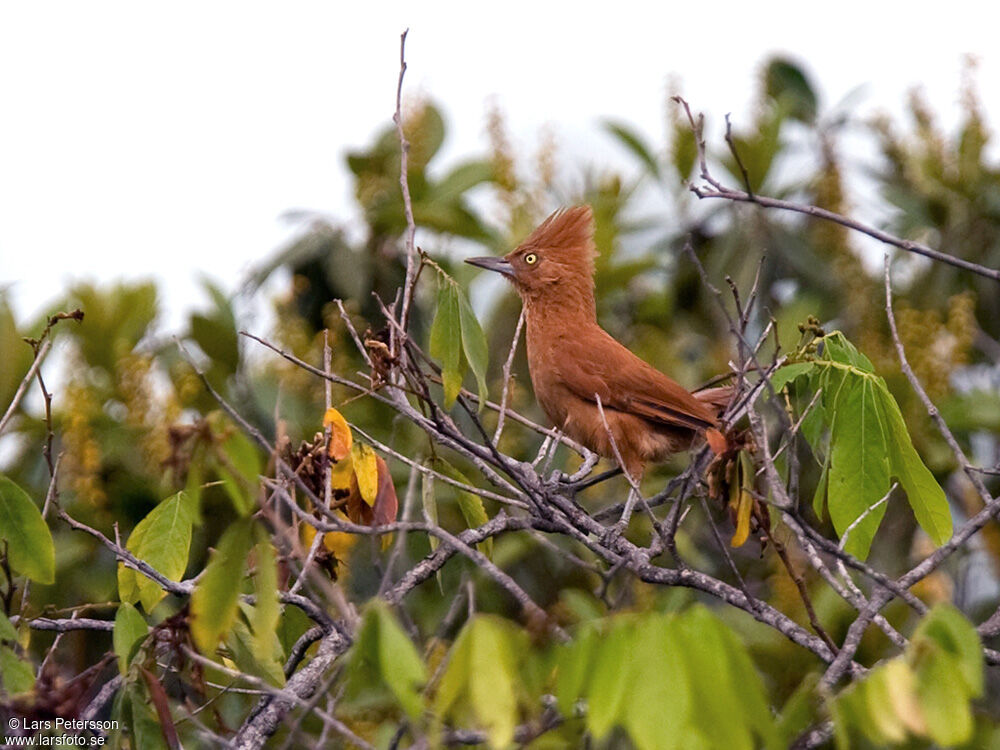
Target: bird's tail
[(717, 399)]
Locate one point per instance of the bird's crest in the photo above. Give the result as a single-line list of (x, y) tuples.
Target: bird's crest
[(569, 235)]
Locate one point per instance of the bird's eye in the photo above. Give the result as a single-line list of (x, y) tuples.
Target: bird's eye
[(531, 259)]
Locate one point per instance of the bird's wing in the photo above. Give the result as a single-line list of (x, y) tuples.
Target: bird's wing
[(594, 366)]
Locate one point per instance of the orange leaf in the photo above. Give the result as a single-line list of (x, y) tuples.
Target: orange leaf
[(340, 434)]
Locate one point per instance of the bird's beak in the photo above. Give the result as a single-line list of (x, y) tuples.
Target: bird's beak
[(493, 264)]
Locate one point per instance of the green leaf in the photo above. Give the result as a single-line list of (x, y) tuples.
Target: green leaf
[(658, 700), (214, 601), (836, 348), (242, 647), (481, 667), (162, 539), (30, 551), (400, 665), (446, 339), (462, 178), (786, 83), (634, 143), (798, 712), (948, 629), (819, 499), (611, 678), (574, 666), (943, 700), (474, 344), (492, 677), (785, 375), (7, 631), (130, 631), (16, 674), (146, 731), (267, 611), (926, 498), (429, 503), (240, 471), (859, 466), (473, 510)]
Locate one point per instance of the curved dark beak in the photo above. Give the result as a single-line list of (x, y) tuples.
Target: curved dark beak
[(493, 264)]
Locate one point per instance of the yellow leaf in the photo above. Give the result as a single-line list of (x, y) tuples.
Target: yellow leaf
[(338, 543), (366, 471), (341, 473), (340, 434), (742, 519)]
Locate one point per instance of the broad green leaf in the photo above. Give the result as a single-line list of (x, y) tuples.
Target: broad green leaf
[(240, 471), (859, 466), (130, 630), (30, 551), (400, 665), (948, 628), (446, 339), (819, 499), (785, 375), (492, 677), (366, 471), (883, 719), (214, 601), (944, 701), (16, 675), (267, 610), (162, 539), (926, 498), (7, 631), (574, 666), (658, 700), (634, 143), (613, 674), (456, 673), (474, 344)]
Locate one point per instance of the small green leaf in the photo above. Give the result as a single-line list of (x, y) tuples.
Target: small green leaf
[(146, 731), (474, 344), (16, 675), (7, 631), (446, 339), (943, 700), (429, 503), (836, 348), (859, 466), (130, 630), (473, 510), (926, 498), (241, 645), (30, 551), (162, 539), (214, 601), (785, 375)]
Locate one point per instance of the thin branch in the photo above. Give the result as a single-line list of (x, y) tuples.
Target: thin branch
[(505, 393)]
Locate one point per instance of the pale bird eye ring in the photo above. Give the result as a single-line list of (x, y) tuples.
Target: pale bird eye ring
[(531, 259)]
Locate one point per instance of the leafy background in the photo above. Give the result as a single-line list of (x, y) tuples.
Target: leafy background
[(137, 430)]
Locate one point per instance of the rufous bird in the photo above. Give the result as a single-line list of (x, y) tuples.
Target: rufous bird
[(574, 362)]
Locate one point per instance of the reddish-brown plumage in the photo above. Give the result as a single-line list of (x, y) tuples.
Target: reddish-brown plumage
[(574, 362)]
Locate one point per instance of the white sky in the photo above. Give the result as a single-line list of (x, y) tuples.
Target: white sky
[(141, 139)]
